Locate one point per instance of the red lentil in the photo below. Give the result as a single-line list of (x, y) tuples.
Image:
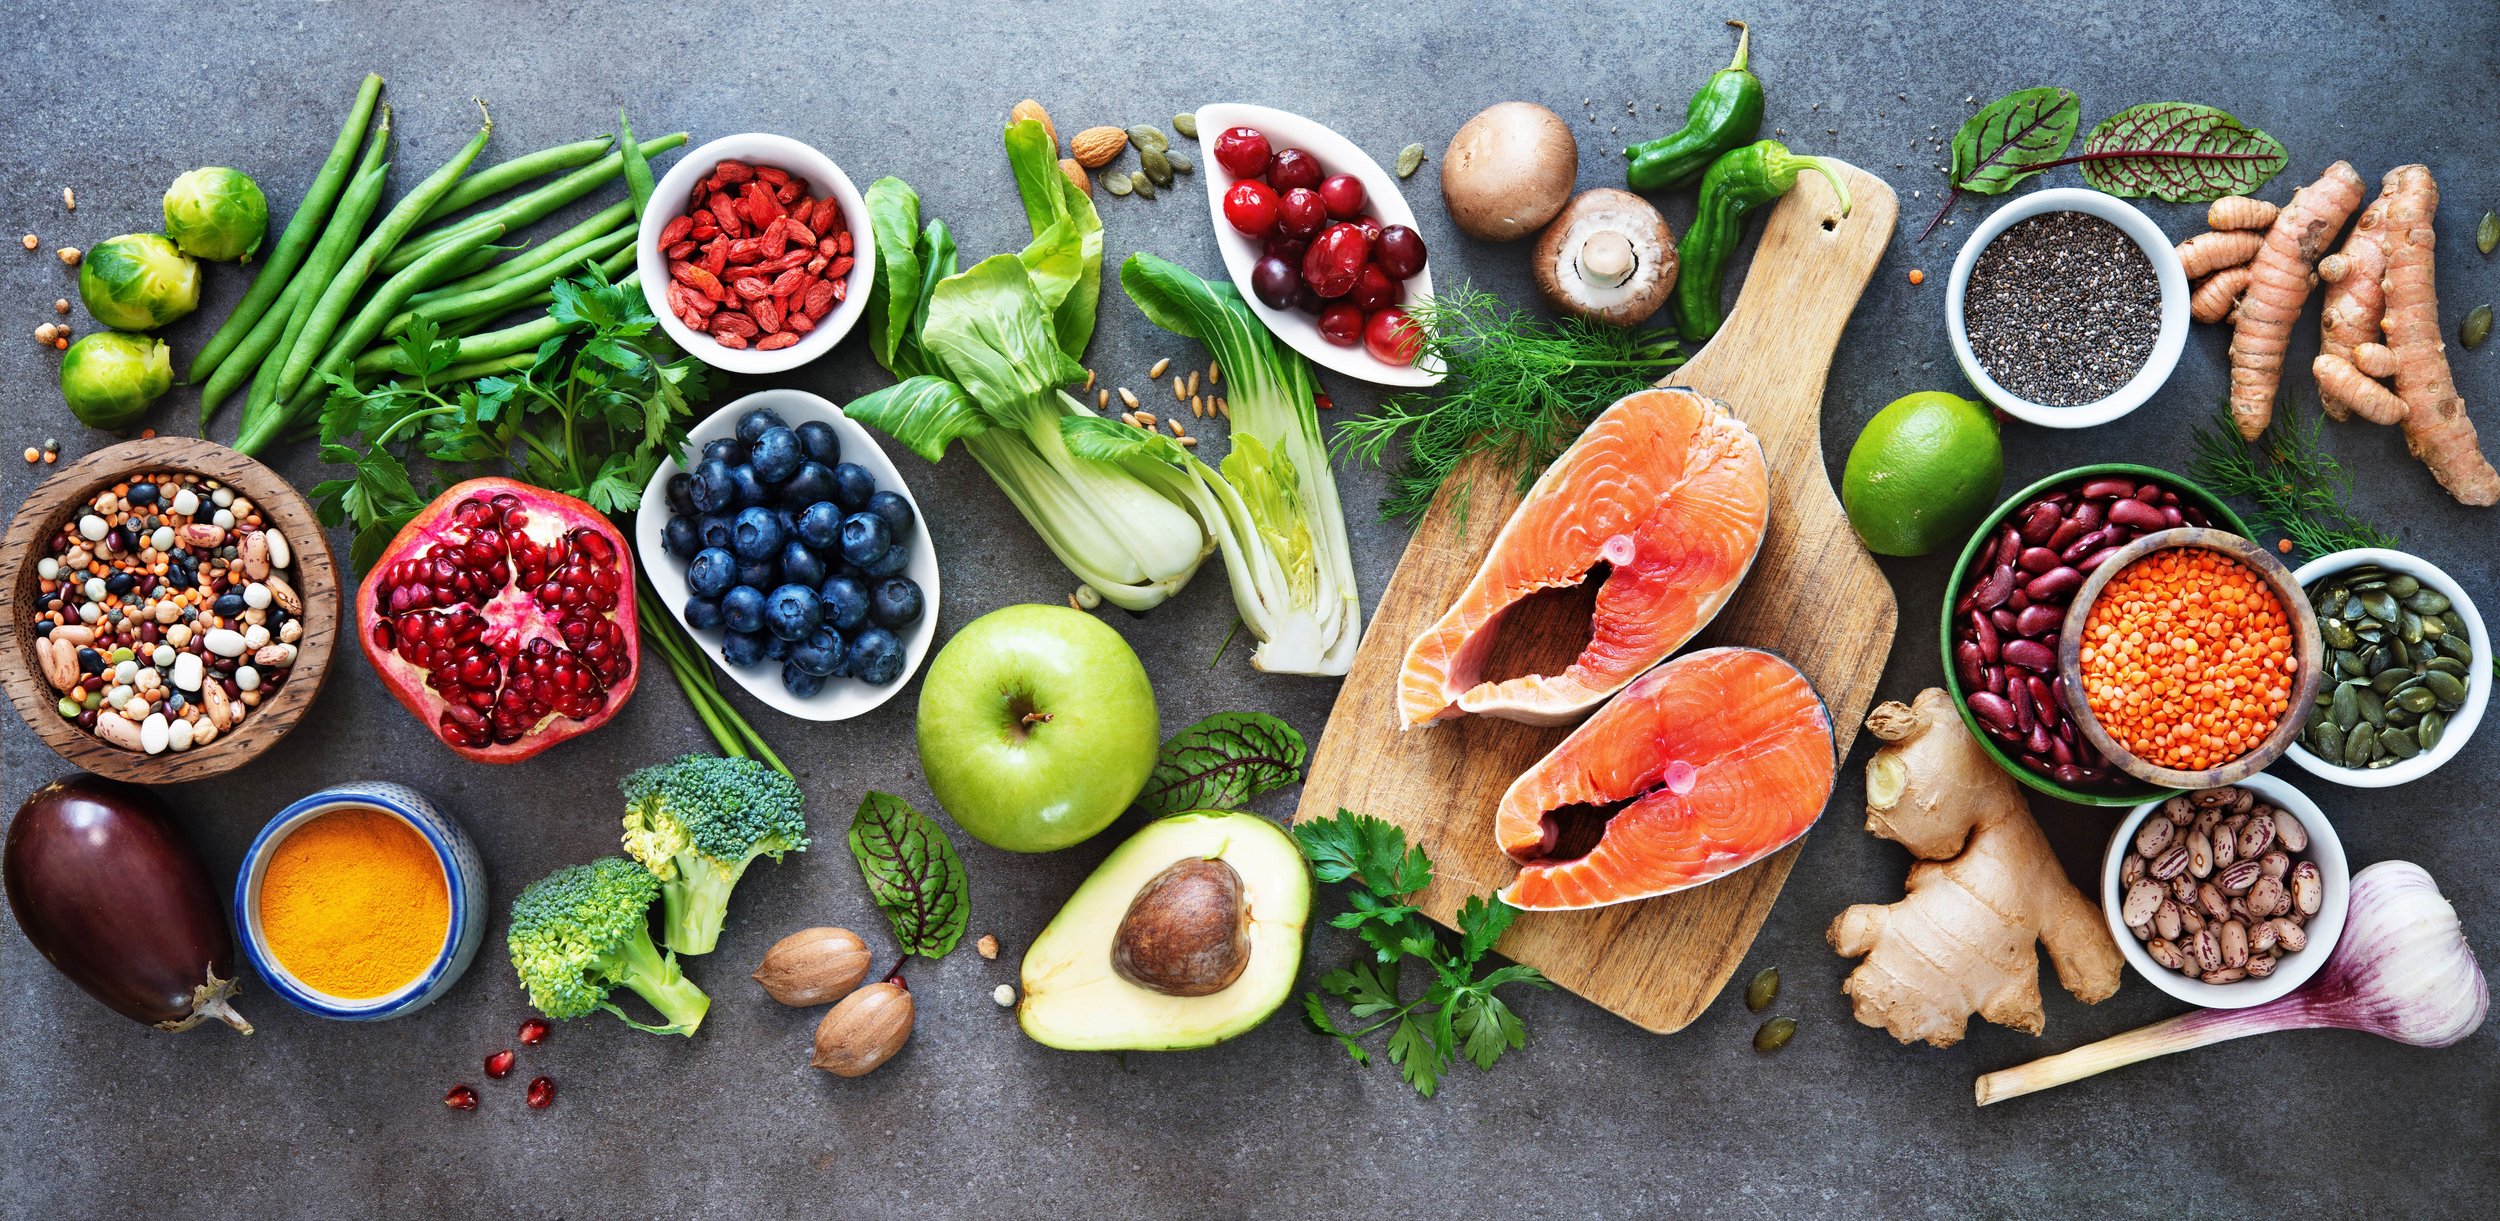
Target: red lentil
[(2187, 659)]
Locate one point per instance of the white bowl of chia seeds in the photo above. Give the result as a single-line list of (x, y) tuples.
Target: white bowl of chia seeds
[(2067, 308)]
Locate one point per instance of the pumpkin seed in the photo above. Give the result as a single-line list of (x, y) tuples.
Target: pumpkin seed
[(2487, 234), (2378, 603), (2403, 586), (1143, 185), (2353, 611), (2476, 328), (1764, 989), (2333, 603), (2337, 633), (1179, 163), (1156, 167), (2359, 745), (2455, 621), (2409, 627), (2401, 719), (2447, 665), (1774, 1034), (1186, 124), (1116, 183), (2346, 707), (2432, 628), (2452, 642), (2426, 602), (2446, 688), (2373, 709), (2400, 743), (2386, 681), (2434, 723), (2417, 700), (2348, 665), (2328, 743), (1410, 158), (1148, 136)]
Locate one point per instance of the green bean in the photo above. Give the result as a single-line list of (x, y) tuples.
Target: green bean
[(552, 250), (505, 175), (302, 230), (638, 183), (328, 312), (244, 359), (522, 209), (386, 301), (522, 338), (511, 293), (347, 224), (480, 259)]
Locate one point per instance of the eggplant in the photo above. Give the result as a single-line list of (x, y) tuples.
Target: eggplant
[(114, 896)]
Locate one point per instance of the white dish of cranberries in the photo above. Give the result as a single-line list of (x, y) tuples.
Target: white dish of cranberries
[(1340, 252)]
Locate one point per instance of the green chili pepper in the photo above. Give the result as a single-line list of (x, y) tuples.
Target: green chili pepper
[(1725, 114), (1737, 183)]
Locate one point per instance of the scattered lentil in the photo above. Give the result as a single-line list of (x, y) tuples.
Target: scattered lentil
[(1917, 276), (30, 241), (2062, 309)]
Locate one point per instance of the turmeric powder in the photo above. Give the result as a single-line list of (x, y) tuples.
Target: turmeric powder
[(354, 904)]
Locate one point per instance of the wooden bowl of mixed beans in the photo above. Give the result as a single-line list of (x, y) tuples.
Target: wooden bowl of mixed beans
[(175, 577), (2190, 658)]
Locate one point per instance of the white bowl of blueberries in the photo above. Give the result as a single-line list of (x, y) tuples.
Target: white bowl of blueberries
[(794, 555)]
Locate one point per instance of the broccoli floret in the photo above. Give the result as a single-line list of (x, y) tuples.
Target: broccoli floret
[(697, 824), (582, 930)]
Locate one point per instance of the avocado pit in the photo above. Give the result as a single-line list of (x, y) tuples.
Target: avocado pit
[(1187, 933)]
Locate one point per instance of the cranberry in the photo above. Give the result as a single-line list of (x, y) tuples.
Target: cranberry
[(1250, 207), (534, 1031), (1294, 168), (1287, 248), (1401, 251), (542, 1093), (1275, 282), (1376, 289), (1305, 300), (1335, 260), (1342, 324), (1391, 337), (1370, 225), (499, 1065), (460, 1098), (1242, 151), (1344, 196), (1301, 212)]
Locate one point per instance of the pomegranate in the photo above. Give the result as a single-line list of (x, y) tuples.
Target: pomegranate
[(503, 616)]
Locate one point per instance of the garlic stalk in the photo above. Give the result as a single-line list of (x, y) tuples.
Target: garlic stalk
[(2402, 971)]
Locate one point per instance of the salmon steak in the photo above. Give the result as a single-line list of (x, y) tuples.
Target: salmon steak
[(1701, 767), (1667, 490)]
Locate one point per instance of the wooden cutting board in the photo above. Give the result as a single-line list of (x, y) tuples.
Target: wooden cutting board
[(1814, 596)]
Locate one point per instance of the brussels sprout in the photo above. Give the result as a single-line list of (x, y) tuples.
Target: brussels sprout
[(216, 214), (138, 282), (109, 378)]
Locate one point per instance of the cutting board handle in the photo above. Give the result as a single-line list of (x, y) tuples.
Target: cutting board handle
[(1810, 256)]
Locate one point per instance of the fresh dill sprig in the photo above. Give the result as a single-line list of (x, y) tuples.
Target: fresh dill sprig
[(2298, 487), (1517, 385)]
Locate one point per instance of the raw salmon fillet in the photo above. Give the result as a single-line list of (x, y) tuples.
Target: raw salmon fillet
[(1669, 490), (1716, 760)]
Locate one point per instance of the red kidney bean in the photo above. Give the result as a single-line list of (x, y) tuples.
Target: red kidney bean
[(2069, 774), (2039, 742), (2172, 517), (2037, 620), (2009, 545), (2036, 560), (2106, 487), (2005, 617), (1991, 709), (2195, 516), (2045, 700), (2091, 516), (2092, 542), (2055, 583), (2039, 522), (2060, 752), (1967, 663), (2067, 531), (1994, 588), (2135, 515), (2017, 602), (2170, 498), (1984, 633), (2096, 559), (2150, 493), (2031, 655), (1996, 679), (2019, 696)]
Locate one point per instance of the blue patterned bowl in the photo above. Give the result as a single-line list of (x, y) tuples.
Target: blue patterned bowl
[(463, 872)]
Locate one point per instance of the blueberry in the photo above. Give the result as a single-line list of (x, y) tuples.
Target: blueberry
[(876, 656), (897, 514), (742, 649), (728, 449), (703, 614), (751, 490), (718, 529), (821, 525), (775, 648), (853, 486), (682, 537), (776, 455), (820, 654), (711, 572), (680, 492), (891, 564), (792, 611), (865, 538), (846, 602), (820, 441), (797, 681), (801, 565), (789, 520), (762, 574), (759, 535), (895, 603), (755, 423), (742, 608), (813, 483), (714, 487)]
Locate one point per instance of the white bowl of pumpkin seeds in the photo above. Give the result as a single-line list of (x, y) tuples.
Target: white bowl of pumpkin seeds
[(2385, 613)]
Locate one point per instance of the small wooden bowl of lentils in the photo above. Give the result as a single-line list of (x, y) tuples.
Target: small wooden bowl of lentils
[(174, 604)]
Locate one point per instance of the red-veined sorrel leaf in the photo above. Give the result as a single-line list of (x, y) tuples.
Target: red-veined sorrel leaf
[(2178, 152), (2010, 139)]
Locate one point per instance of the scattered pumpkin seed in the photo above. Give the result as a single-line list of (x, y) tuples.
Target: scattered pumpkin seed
[(1774, 1034), (1143, 185), (1186, 124), (1116, 183), (2487, 234), (1156, 167), (1148, 136), (2336, 634), (2477, 327), (1764, 989), (1179, 163), (1410, 159)]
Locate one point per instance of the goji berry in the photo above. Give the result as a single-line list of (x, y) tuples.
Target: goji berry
[(728, 339), (778, 339), (767, 314), (733, 171), (818, 300), (675, 231)]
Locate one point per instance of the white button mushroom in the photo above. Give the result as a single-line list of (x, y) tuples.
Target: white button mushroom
[(1608, 258)]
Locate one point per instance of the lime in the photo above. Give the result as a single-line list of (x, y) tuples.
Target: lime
[(1922, 473)]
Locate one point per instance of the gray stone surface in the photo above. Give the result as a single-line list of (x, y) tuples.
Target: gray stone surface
[(99, 1118)]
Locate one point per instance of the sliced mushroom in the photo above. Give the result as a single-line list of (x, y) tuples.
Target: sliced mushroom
[(1608, 258)]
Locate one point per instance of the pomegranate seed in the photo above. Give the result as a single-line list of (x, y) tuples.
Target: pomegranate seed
[(461, 1098), (499, 1065), (542, 1093), (1323, 402), (534, 1031)]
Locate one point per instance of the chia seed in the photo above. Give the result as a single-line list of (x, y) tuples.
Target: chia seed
[(2062, 309)]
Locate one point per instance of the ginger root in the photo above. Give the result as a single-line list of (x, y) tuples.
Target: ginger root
[(2218, 294), (2436, 427), (2239, 212), (2279, 282), (1986, 887)]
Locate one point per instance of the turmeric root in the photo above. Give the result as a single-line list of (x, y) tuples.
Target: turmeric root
[(2239, 212), (2375, 360), (2207, 253), (2278, 286), (2345, 389), (2435, 423), (2217, 294), (1986, 886), (2353, 303)]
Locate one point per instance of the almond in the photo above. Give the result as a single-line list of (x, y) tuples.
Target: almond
[(1076, 174), (1095, 147), (1030, 109)]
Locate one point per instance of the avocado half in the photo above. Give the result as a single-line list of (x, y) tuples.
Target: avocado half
[(1075, 1000)]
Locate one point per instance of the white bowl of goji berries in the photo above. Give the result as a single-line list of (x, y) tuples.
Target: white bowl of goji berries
[(755, 253)]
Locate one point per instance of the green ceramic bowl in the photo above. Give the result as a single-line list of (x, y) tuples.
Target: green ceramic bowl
[(2222, 518)]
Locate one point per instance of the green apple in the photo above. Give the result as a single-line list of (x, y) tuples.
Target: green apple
[(1037, 727)]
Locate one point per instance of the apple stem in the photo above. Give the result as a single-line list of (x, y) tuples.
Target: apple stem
[(1036, 718)]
